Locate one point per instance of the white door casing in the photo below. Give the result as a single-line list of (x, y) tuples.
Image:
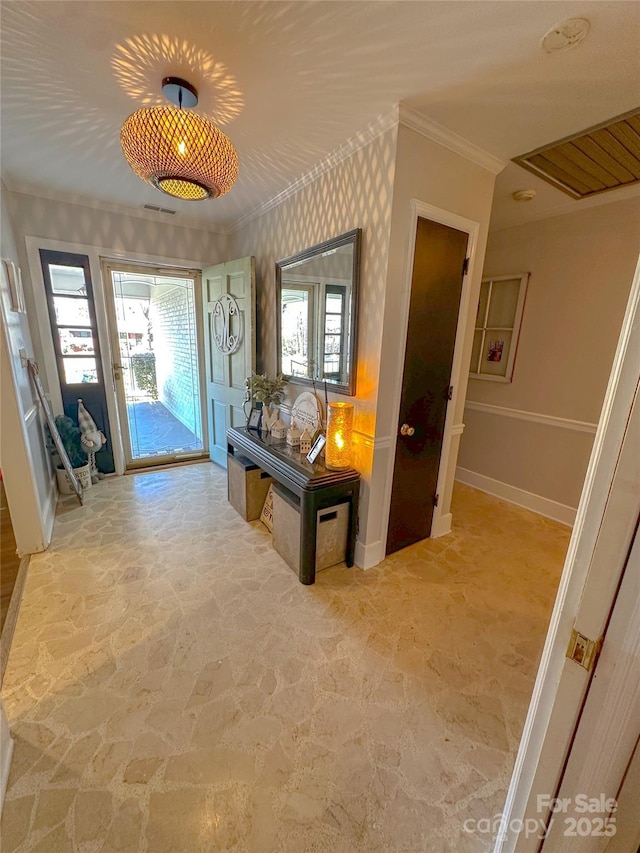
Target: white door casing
[(229, 299), (442, 518), (607, 734), (597, 554)]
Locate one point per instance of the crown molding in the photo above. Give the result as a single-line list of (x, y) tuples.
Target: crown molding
[(26, 188), (375, 129), (448, 139)]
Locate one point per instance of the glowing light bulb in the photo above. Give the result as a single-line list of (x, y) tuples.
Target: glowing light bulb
[(182, 148)]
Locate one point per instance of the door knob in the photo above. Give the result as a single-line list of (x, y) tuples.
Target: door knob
[(405, 429)]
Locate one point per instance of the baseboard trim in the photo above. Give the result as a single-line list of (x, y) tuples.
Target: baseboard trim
[(442, 525), (536, 503), (13, 612), (368, 556), (7, 748), (50, 512)]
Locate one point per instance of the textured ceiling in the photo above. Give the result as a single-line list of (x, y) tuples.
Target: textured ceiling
[(291, 82)]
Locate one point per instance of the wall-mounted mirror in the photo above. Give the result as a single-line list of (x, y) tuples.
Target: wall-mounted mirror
[(317, 311)]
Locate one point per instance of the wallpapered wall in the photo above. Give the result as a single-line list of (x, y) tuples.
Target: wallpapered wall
[(123, 235), (357, 193)]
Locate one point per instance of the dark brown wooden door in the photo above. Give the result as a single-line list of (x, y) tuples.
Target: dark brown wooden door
[(436, 286)]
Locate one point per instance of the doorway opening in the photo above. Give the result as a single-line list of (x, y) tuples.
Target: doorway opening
[(156, 367)]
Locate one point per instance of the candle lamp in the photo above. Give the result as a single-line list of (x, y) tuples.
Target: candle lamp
[(339, 436)]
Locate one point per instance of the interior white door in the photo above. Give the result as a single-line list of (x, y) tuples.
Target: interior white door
[(229, 296), (606, 737)]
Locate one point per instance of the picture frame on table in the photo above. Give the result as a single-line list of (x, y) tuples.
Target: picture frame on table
[(255, 419), (316, 448)]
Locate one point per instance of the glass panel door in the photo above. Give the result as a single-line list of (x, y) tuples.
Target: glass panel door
[(157, 374), (68, 286)]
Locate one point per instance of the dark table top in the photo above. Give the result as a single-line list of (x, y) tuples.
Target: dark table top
[(278, 455)]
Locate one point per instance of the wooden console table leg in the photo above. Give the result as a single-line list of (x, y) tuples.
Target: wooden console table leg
[(353, 527), (308, 524)]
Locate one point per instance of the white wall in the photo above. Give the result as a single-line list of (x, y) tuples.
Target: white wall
[(581, 267), (26, 468)]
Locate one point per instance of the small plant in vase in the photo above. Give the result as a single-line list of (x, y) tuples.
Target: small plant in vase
[(266, 392)]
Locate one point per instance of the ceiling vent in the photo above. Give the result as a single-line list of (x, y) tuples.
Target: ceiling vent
[(594, 161), (159, 209)]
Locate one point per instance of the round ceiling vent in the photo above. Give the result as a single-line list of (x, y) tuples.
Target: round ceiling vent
[(564, 36)]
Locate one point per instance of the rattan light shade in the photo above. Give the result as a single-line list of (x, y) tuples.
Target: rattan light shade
[(179, 152)]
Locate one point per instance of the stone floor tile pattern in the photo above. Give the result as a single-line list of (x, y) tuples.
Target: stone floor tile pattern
[(173, 687)]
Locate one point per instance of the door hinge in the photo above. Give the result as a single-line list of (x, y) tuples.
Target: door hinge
[(450, 392), (465, 266), (436, 498), (582, 650)]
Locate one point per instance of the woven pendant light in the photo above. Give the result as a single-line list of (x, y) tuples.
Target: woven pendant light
[(178, 151)]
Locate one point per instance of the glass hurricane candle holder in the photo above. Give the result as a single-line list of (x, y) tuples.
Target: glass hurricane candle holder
[(339, 436)]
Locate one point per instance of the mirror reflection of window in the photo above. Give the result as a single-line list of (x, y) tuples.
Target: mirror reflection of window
[(317, 293), (334, 356), (297, 329)]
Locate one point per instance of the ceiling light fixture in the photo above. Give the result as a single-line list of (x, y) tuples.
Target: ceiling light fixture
[(178, 151), (523, 195), (567, 34)]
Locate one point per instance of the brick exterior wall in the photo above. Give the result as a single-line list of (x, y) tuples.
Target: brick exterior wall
[(174, 345)]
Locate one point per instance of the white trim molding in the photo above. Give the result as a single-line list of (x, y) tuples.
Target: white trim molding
[(472, 229), (30, 414), (6, 753), (448, 139), (368, 556), (375, 129), (520, 497), (534, 417)]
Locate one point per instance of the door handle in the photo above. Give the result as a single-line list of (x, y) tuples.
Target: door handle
[(116, 370), (405, 429)]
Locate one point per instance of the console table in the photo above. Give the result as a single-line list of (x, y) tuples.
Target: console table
[(314, 485)]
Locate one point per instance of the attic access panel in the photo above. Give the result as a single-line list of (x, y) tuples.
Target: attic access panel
[(602, 158)]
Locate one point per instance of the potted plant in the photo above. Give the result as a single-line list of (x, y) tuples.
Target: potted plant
[(70, 436), (265, 392)]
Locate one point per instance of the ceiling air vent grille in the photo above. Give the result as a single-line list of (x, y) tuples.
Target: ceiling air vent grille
[(159, 209), (596, 160)]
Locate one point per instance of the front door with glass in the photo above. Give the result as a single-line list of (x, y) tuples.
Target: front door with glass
[(156, 366), (68, 286)]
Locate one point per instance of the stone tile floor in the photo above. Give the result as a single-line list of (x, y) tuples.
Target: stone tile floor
[(172, 687)]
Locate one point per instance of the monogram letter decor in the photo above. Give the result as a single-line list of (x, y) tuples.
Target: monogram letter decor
[(227, 324)]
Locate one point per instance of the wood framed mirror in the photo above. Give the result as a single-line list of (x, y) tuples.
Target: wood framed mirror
[(317, 313)]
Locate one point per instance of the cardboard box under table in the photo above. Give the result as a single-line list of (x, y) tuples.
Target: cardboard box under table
[(331, 537), (247, 486)]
